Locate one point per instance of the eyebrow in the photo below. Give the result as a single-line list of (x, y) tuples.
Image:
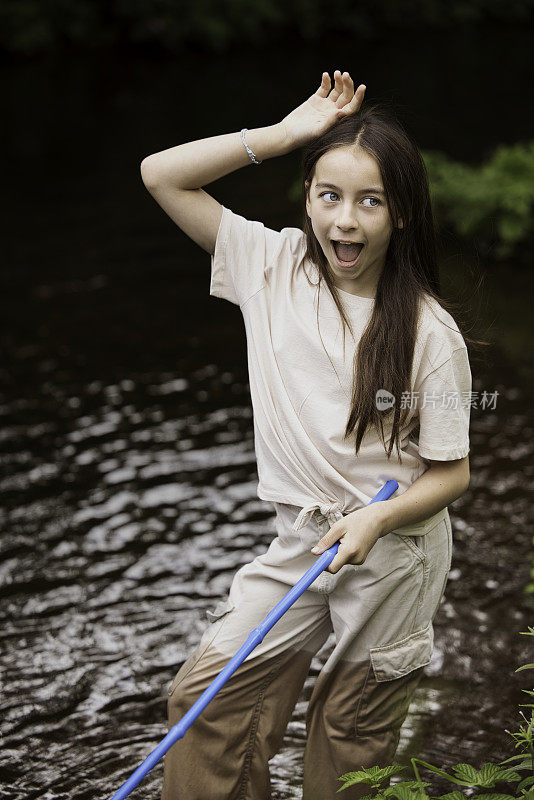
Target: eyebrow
[(374, 189)]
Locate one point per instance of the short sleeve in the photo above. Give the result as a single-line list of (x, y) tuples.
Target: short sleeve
[(444, 402), (245, 250)]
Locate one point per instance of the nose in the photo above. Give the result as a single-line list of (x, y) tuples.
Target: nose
[(346, 220)]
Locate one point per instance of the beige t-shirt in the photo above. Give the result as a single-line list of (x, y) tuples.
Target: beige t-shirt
[(301, 396)]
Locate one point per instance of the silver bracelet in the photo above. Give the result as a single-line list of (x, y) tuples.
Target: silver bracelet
[(249, 151)]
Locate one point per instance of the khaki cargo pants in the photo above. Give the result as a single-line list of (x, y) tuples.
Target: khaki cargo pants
[(381, 613)]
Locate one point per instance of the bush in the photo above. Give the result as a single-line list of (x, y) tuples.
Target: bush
[(464, 774), (492, 203)]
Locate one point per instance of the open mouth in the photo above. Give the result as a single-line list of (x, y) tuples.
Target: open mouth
[(347, 255)]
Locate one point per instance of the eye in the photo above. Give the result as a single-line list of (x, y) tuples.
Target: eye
[(377, 201), (324, 193)]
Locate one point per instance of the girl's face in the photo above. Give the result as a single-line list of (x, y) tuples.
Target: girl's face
[(345, 202)]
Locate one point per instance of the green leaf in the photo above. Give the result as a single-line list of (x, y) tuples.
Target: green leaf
[(451, 796), (517, 757), (496, 796), (483, 796), (466, 773), (405, 790), (525, 666), (487, 777), (527, 763), (374, 776)]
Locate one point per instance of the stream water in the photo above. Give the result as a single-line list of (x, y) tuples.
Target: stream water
[(128, 470)]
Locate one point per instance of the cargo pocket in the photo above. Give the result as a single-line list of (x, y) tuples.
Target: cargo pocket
[(383, 708), (399, 658), (216, 619)]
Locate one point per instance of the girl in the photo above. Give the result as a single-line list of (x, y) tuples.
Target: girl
[(328, 411)]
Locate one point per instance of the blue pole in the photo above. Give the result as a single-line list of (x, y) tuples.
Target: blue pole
[(253, 639)]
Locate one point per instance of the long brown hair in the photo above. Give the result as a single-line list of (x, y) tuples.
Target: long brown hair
[(384, 356)]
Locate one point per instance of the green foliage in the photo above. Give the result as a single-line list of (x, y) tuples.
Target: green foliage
[(453, 796), (493, 202), (529, 588), (488, 776), (464, 774), (375, 775)]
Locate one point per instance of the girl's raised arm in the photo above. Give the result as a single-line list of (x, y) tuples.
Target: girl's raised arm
[(174, 177)]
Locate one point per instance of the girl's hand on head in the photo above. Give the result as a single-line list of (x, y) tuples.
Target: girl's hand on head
[(323, 109), (357, 533)]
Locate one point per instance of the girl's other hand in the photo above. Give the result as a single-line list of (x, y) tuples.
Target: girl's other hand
[(323, 109), (357, 532)]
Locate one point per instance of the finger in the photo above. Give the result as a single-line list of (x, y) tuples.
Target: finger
[(354, 104), (360, 93), (335, 566), (324, 88), (327, 540), (338, 86), (336, 569), (339, 560), (348, 87), (358, 96)]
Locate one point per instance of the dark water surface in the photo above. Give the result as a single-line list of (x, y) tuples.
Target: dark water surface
[(128, 469)]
